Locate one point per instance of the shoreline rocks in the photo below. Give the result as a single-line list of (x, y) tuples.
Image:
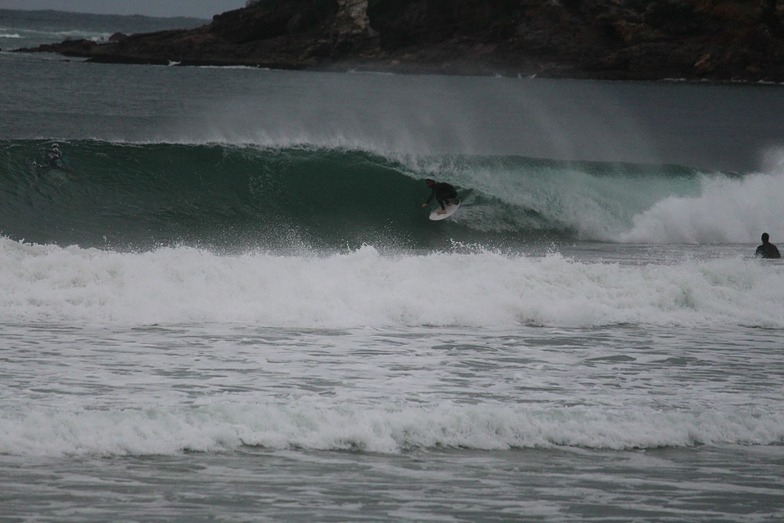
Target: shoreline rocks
[(708, 40)]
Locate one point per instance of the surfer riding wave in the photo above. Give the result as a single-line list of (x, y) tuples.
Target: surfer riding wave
[(444, 193)]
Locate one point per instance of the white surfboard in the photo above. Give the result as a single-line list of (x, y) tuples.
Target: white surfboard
[(450, 210)]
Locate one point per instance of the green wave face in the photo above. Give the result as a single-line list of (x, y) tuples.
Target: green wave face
[(140, 196)]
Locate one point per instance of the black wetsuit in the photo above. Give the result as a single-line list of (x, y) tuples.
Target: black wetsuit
[(444, 193), (767, 250)]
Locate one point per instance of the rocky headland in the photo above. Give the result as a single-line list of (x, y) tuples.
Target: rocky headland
[(715, 40)]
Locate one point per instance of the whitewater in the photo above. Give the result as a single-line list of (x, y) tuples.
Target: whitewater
[(365, 289), (225, 303)]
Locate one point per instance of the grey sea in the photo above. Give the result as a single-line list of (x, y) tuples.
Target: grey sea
[(224, 301)]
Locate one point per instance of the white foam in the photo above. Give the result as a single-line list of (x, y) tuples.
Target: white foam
[(40, 431), (726, 211), (365, 288)]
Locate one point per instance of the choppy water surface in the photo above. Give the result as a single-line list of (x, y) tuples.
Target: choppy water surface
[(225, 302)]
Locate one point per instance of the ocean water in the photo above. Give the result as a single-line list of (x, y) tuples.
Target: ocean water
[(226, 303)]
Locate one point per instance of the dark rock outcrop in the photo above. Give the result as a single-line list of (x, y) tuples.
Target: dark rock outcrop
[(720, 40)]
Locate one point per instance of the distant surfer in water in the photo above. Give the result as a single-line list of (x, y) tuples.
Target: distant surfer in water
[(53, 158), (767, 249), (53, 169), (444, 193)]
